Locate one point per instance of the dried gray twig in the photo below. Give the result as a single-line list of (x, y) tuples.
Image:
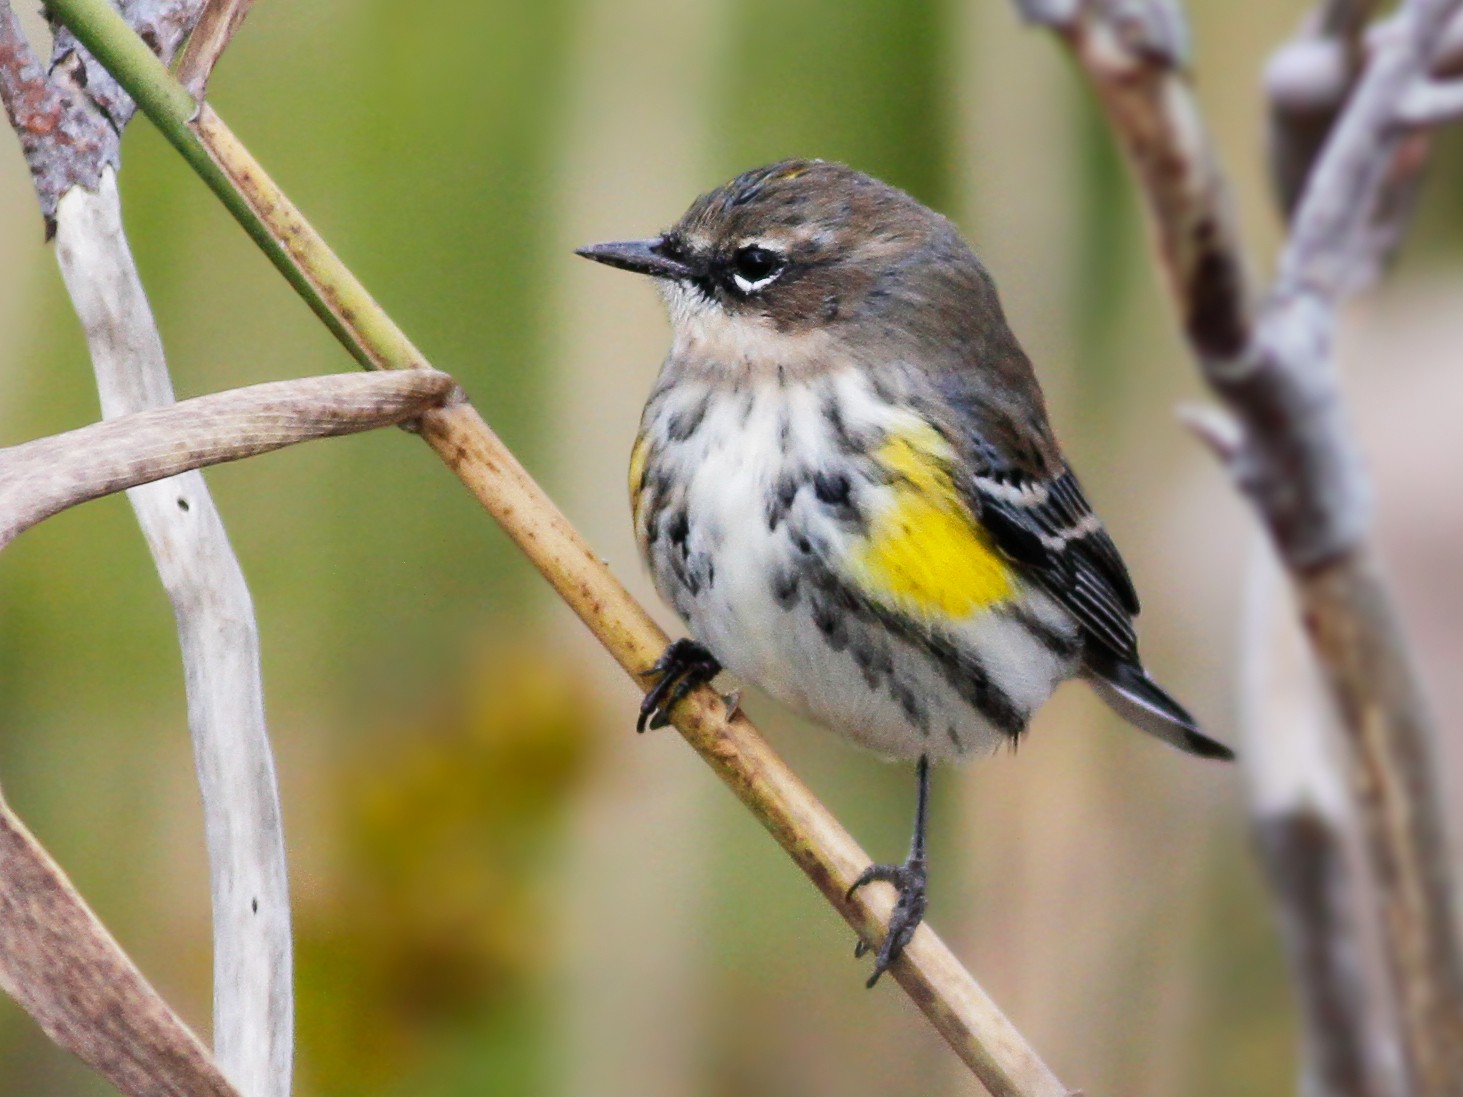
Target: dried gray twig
[(44, 477), (63, 967)]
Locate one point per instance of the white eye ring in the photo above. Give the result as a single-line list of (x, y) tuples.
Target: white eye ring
[(755, 267), (752, 287)]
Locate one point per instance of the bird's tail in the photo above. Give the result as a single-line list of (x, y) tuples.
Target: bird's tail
[(1138, 699)]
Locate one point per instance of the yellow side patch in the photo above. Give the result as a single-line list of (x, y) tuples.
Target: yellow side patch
[(639, 454), (925, 552)]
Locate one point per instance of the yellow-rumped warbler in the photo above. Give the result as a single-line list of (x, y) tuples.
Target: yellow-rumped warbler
[(846, 485)]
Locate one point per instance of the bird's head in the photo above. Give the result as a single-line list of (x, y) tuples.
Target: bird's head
[(805, 248), (808, 266)]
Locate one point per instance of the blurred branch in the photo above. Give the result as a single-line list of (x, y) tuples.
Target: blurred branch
[(44, 477), (63, 967), (1303, 823), (216, 27), (76, 178), (983, 1037), (1431, 103), (1297, 459), (1308, 80)]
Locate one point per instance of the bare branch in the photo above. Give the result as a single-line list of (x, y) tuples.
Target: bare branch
[(1306, 82), (1330, 225), (44, 477), (1304, 824), (1299, 463), (63, 967), (162, 24), (216, 27), (1431, 103), (253, 991)]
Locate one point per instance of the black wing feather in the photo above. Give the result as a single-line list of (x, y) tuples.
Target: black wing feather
[(1048, 529), (1035, 509)]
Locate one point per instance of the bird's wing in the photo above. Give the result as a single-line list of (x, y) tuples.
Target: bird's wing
[(1047, 528), (1015, 481)]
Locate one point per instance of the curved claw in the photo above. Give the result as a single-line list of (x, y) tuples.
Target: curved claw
[(682, 667), (909, 879)]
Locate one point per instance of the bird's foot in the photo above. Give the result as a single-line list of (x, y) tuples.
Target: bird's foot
[(909, 879), (684, 666)]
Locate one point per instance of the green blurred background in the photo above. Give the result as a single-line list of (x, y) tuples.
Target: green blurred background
[(499, 888)]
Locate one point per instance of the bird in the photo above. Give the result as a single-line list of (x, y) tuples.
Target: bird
[(846, 484)]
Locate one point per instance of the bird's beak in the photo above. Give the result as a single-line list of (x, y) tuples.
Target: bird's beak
[(640, 256)]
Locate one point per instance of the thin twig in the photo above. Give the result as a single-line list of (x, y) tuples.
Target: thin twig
[(1275, 371), (216, 27), (983, 1038), (44, 477), (63, 967)]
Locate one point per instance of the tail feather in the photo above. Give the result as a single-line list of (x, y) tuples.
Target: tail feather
[(1138, 699)]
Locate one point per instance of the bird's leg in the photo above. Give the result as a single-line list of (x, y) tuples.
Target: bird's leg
[(684, 666), (909, 879)]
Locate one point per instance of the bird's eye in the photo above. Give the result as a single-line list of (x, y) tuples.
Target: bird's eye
[(754, 268)]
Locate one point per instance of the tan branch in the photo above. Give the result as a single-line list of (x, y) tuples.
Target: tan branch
[(63, 967), (959, 1009), (44, 477)]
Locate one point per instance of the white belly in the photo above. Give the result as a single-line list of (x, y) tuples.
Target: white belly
[(742, 539)]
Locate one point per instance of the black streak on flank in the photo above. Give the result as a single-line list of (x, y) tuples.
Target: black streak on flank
[(832, 488), (842, 437), (873, 660), (913, 707), (831, 624), (785, 589), (783, 494), (687, 421), (835, 491)]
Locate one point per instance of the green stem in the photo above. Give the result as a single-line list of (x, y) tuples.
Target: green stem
[(296, 250)]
